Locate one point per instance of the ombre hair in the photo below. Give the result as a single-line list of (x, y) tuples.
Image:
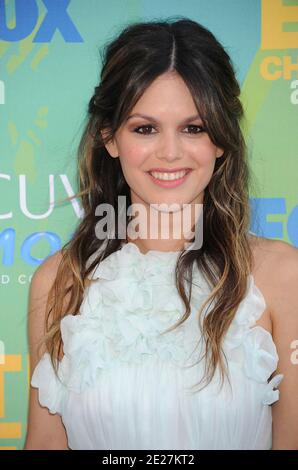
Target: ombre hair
[(130, 63)]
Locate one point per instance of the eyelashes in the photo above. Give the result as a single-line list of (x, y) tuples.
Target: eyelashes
[(198, 129)]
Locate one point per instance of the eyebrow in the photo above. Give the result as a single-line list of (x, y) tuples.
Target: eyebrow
[(151, 118)]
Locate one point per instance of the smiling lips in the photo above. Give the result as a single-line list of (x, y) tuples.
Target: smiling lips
[(169, 178)]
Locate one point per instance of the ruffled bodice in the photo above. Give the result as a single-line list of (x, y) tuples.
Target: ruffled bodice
[(124, 385)]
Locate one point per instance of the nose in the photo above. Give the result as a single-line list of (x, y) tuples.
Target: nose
[(169, 147)]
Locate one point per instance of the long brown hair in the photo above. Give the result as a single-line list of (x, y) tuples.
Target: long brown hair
[(130, 63)]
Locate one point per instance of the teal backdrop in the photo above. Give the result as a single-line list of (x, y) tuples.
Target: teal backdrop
[(49, 65)]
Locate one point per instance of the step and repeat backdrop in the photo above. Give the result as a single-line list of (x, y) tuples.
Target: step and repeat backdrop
[(49, 66)]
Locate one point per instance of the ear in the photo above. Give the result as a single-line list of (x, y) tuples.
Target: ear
[(110, 146), (219, 152)]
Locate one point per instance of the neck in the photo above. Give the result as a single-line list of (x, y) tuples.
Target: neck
[(165, 229)]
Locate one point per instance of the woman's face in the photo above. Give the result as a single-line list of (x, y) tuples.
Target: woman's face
[(168, 138)]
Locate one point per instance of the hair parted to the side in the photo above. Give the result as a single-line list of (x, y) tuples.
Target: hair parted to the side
[(131, 62)]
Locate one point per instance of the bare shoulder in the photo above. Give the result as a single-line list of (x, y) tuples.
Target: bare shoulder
[(46, 272), (41, 283), (274, 257), (271, 246), (276, 271), (276, 266), (44, 431)]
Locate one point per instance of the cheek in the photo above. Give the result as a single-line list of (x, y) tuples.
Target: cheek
[(204, 154), (133, 155), (132, 161)]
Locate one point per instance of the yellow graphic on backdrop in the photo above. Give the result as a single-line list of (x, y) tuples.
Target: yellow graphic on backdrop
[(277, 22), (25, 48), (12, 363), (274, 67), (275, 15)]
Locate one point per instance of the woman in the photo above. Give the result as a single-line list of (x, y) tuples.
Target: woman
[(164, 133)]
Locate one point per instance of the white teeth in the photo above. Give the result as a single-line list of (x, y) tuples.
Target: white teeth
[(168, 176)]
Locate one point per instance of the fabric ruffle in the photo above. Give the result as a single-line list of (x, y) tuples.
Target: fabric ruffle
[(252, 345), (132, 299), (51, 390)]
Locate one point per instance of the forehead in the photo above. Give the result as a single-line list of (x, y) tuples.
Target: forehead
[(167, 96)]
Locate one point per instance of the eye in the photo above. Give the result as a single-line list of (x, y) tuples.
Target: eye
[(148, 126), (195, 129), (198, 128)]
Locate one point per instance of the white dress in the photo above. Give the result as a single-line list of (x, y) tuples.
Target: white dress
[(123, 386)]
